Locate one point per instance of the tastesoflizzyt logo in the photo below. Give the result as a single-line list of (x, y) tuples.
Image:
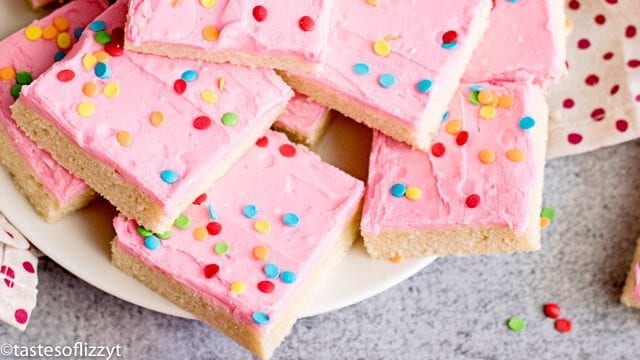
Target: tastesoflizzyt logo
[(77, 350)]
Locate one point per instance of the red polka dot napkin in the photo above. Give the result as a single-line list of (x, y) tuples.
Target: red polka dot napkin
[(18, 277), (598, 103)]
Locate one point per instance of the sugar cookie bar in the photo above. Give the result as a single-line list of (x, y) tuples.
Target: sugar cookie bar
[(395, 66), (477, 191), (304, 121), (51, 189), (631, 292), (148, 133), (285, 34), (248, 255)]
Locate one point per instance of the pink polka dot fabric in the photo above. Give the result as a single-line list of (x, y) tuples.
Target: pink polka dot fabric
[(598, 104), (18, 277)]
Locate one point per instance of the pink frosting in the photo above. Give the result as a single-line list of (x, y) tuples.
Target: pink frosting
[(526, 40), (303, 116), (146, 85), (180, 22), (417, 54), (505, 187), (323, 197), (35, 57)]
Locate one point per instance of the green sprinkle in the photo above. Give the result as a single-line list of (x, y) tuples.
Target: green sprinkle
[(144, 232), (182, 222), (165, 235), (229, 119), (516, 324), (15, 91), (24, 78), (473, 97), (221, 248), (548, 213), (102, 37)]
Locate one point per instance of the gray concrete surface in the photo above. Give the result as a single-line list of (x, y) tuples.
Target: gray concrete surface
[(454, 309)]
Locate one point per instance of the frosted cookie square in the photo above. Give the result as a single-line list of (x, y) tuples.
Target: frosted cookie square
[(304, 121), (251, 252), (148, 133)]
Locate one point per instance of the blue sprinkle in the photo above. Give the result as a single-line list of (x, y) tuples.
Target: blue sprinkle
[(59, 55), (424, 86), (271, 270), (450, 45), (98, 25), (250, 211), (476, 87), (169, 176), (445, 116), (288, 277), (513, 1), (387, 80), (398, 190), (260, 318), (102, 70), (526, 123), (212, 212), (152, 242), (291, 219), (189, 76), (78, 32), (361, 69)]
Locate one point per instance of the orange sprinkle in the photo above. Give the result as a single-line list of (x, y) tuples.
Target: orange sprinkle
[(396, 259), (200, 233), (49, 32), (210, 33), (515, 155), (487, 156), (7, 73), (485, 97), (453, 127), (261, 252), (124, 138), (157, 118), (101, 55), (90, 89), (544, 222), (61, 23), (221, 84), (505, 101)]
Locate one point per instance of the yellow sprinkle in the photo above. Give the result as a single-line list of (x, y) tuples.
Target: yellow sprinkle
[(505, 101), (207, 3), (209, 96), (487, 112), (63, 40), (101, 55), (111, 90), (544, 222), (221, 84), (262, 226), (382, 48), (33, 32), (200, 233), (487, 156), (90, 89), (7, 73), (395, 259), (89, 61), (49, 32), (413, 193), (515, 155), (373, 2), (85, 109), (238, 287), (391, 37), (485, 97), (453, 127), (125, 139), (157, 118), (61, 23), (261, 252), (210, 33)]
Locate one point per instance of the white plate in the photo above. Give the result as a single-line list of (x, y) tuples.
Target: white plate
[(81, 243)]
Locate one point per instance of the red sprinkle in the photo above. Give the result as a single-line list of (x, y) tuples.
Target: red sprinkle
[(214, 228), (584, 44), (633, 63), (288, 150), (614, 89), (200, 199), (462, 138), (306, 23), (259, 13), (117, 35), (574, 138), (630, 31), (450, 36), (180, 86), (592, 80), (598, 114), (600, 19), (472, 201), (114, 49), (608, 56), (266, 286), (622, 125), (202, 122), (574, 4), (552, 310), (211, 270), (263, 141), (66, 75), (563, 325), (28, 267), (568, 103), (438, 149)]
